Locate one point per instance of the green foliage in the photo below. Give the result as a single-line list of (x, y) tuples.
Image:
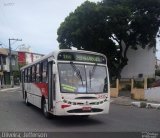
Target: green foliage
[(157, 72), (150, 81), (143, 104), (21, 65), (126, 88), (111, 27), (139, 84), (113, 84), (17, 76)]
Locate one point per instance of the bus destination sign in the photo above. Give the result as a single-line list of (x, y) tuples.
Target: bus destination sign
[(82, 57)]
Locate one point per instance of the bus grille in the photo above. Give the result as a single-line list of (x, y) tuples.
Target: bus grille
[(93, 110)]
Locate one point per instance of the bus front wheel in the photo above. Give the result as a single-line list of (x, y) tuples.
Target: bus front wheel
[(45, 111)]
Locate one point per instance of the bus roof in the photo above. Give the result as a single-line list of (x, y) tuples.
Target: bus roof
[(54, 54)]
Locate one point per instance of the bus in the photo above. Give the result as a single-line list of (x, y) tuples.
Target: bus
[(67, 82)]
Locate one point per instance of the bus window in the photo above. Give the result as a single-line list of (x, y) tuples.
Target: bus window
[(29, 75), (33, 74), (26, 75), (38, 73), (44, 71)]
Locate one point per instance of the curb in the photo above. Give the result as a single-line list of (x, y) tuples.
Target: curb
[(146, 105), (124, 104)]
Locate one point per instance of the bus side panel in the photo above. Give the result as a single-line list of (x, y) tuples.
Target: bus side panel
[(36, 94), (39, 90), (29, 93)]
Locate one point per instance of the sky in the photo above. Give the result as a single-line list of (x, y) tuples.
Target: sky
[(36, 22)]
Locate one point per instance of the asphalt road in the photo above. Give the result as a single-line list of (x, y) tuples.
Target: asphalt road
[(16, 116)]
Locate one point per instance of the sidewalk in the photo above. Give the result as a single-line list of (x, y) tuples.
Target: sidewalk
[(6, 88), (122, 100), (127, 101)]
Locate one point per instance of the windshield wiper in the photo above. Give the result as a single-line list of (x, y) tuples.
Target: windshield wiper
[(78, 73), (91, 72)]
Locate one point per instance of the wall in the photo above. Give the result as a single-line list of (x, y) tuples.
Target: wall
[(36, 56), (21, 58), (114, 91), (31, 57), (141, 61), (153, 94), (137, 94), (28, 58), (7, 65)]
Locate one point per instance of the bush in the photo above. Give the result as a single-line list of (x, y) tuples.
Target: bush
[(143, 105), (157, 72), (127, 87), (113, 84), (150, 81), (139, 84)]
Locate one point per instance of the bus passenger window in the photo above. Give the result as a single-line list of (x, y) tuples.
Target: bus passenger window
[(29, 75), (38, 73), (33, 73), (44, 72), (26, 75)]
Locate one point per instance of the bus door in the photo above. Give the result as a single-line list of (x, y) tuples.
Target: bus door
[(51, 86)]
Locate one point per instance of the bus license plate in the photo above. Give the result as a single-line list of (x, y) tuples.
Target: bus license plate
[(86, 108)]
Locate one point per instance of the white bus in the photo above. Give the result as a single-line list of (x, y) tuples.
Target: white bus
[(68, 82)]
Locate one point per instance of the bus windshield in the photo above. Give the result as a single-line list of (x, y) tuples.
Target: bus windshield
[(80, 78)]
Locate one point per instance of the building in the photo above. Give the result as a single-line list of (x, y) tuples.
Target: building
[(25, 58), (5, 65), (18, 59), (141, 63)]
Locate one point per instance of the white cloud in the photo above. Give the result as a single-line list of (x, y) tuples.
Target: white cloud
[(34, 21)]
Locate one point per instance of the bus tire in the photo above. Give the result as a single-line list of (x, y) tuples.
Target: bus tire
[(44, 109), (26, 99)]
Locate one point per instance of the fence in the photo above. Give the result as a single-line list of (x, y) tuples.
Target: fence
[(152, 94), (137, 88), (114, 88)]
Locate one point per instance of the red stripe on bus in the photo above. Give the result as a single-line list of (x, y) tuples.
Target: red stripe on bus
[(43, 88)]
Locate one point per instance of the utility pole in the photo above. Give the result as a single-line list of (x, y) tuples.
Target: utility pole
[(10, 62)]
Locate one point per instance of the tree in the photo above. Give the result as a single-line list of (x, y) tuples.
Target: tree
[(86, 29), (132, 23), (111, 27)]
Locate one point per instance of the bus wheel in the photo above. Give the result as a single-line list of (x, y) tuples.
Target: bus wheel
[(44, 109), (26, 99)]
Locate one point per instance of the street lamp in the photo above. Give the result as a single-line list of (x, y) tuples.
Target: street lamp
[(10, 56)]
